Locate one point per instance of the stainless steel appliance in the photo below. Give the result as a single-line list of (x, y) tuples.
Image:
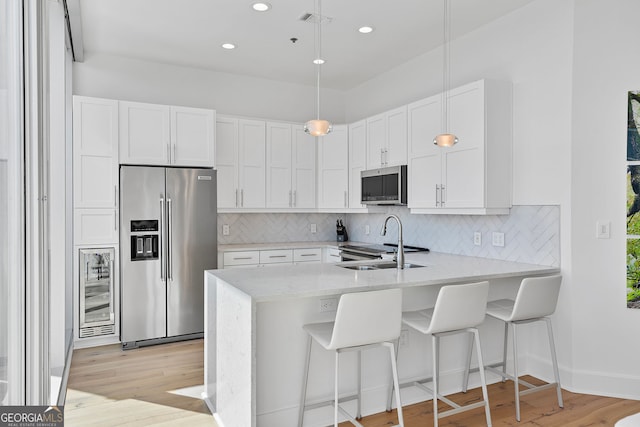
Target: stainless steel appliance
[(368, 252), (384, 186), (168, 221), (96, 292)]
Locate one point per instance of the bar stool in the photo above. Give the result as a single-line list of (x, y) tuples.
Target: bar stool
[(536, 299), (458, 309), (364, 320)]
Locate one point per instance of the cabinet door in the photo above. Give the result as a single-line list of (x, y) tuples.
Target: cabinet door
[(396, 141), (357, 161), (252, 164), (192, 136), (144, 133), (227, 161), (95, 226), (376, 141), (95, 152), (424, 156), (463, 164), (278, 165), (304, 169), (333, 167)]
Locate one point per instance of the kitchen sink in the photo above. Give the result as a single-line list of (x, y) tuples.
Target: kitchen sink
[(379, 266)]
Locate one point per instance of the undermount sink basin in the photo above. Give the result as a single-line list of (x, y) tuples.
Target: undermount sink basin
[(379, 266)]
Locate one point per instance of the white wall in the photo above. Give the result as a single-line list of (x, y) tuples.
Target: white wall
[(135, 80), (605, 343)]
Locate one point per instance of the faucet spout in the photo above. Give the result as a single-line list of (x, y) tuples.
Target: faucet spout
[(400, 253)]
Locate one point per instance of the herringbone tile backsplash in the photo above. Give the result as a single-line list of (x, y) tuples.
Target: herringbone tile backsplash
[(531, 233)]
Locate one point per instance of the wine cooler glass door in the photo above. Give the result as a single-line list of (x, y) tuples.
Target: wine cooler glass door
[(96, 287)]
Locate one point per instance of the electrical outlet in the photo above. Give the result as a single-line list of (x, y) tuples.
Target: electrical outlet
[(367, 230), (477, 238), (497, 239), (328, 304), (225, 229), (404, 337), (313, 228)]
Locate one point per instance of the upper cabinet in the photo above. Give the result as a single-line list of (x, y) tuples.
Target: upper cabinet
[(473, 176), (240, 163), (95, 170), (357, 162), (333, 169), (290, 167), (152, 134), (387, 138)]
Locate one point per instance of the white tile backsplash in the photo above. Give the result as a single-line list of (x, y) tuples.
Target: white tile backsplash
[(531, 233)]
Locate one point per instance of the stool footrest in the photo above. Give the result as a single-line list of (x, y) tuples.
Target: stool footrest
[(330, 402), (530, 387), (459, 409)]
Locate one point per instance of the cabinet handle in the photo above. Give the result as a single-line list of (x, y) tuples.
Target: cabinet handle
[(174, 154), (346, 202), (443, 195), (437, 195), (382, 157), (242, 198), (241, 257), (290, 202), (295, 201), (168, 153), (277, 256), (308, 254)]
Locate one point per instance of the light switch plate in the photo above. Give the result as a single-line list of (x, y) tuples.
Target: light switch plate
[(603, 229), (477, 238), (313, 228), (497, 239), (225, 229)]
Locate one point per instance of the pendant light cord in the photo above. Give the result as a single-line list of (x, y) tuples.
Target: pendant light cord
[(445, 66), (318, 44)]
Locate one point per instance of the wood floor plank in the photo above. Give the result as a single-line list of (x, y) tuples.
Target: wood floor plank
[(111, 387)]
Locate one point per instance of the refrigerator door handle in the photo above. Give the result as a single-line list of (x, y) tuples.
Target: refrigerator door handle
[(169, 242), (162, 239)]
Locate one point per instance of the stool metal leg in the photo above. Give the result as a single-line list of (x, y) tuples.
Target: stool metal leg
[(555, 362), (483, 380), (305, 380), (504, 351), (335, 403), (390, 397), (465, 379), (515, 371), (435, 340), (359, 409), (396, 386)]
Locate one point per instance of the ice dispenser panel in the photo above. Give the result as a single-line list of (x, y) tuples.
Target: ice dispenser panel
[(144, 246)]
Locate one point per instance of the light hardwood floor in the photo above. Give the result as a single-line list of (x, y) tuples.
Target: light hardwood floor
[(111, 387)]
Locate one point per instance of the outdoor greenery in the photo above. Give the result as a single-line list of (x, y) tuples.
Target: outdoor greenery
[(633, 269)]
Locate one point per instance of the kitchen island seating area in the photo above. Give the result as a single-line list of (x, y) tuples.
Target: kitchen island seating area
[(364, 320), (535, 301), (458, 309)]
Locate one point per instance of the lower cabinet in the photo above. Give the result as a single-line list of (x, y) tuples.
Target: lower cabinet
[(271, 257)]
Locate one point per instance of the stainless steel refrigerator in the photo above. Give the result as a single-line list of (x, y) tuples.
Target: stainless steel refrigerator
[(168, 219)]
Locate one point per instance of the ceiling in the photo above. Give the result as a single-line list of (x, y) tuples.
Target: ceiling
[(190, 33)]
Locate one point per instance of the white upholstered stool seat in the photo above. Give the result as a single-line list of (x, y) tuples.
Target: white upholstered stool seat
[(458, 309), (630, 421), (536, 299), (363, 320)]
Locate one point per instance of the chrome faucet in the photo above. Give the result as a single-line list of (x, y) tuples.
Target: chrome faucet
[(399, 258)]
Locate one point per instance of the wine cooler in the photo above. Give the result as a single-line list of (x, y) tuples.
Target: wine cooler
[(97, 272)]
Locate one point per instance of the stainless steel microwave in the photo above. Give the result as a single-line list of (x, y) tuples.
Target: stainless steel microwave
[(384, 186)]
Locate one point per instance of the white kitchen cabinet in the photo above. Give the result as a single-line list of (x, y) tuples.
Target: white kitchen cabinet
[(240, 161), (276, 256), (152, 134), (241, 259), (387, 138), (357, 162), (331, 254), (307, 255), (290, 167), (95, 169), (473, 176), (333, 169)]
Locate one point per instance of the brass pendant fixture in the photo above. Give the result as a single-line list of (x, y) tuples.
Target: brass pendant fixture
[(446, 139), (318, 127)]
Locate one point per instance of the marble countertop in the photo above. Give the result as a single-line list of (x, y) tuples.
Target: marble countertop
[(313, 280), (283, 245)]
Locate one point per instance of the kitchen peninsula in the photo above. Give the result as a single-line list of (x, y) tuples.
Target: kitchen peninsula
[(255, 345)]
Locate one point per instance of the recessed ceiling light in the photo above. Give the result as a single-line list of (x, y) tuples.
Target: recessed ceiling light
[(365, 30), (261, 7), (318, 61), (228, 46)]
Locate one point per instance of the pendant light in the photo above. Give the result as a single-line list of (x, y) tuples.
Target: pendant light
[(446, 139), (317, 127)]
